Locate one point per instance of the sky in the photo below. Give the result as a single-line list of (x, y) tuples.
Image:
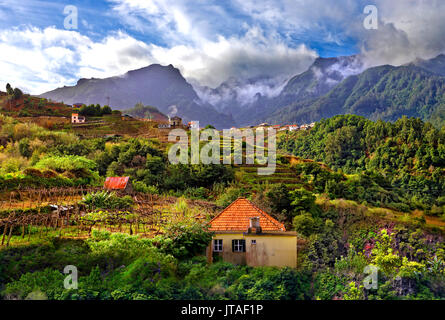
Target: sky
[(209, 41)]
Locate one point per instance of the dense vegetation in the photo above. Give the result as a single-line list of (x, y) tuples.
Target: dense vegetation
[(29, 153), (95, 110), (147, 112), (122, 267), (116, 266), (399, 164), (391, 175)]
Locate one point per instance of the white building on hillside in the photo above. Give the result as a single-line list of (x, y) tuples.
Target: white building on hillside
[(75, 118)]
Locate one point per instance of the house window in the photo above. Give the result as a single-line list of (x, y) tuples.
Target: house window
[(239, 245), (253, 242), (217, 245)]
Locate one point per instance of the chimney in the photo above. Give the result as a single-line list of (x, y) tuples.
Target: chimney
[(254, 225)]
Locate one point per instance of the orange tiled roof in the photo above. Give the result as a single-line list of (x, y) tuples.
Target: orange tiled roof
[(236, 217), (116, 183)]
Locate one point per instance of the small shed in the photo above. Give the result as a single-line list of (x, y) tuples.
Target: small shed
[(176, 121), (122, 184)]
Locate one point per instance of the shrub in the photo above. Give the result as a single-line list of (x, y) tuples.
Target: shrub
[(107, 200), (50, 174), (33, 172), (66, 163), (328, 285), (47, 281), (279, 198), (117, 249), (185, 239), (140, 186), (267, 283), (230, 195), (196, 193), (304, 224), (11, 165)]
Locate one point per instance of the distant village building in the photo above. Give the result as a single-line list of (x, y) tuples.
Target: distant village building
[(294, 127), (118, 184), (193, 125), (75, 118), (176, 122), (246, 235), (77, 105), (127, 117)]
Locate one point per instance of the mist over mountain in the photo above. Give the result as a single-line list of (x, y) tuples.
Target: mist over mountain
[(322, 76), (435, 65), (235, 93), (253, 100), (384, 92), (161, 86)]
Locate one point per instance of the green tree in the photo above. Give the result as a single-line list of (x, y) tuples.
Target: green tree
[(106, 110), (354, 293), (384, 256), (17, 94), (279, 198), (303, 201), (9, 89), (304, 224)]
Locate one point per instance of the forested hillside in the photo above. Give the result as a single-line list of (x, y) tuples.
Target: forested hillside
[(146, 112), (406, 157), (385, 93), (374, 196)]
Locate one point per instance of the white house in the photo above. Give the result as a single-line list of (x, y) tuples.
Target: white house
[(75, 118)]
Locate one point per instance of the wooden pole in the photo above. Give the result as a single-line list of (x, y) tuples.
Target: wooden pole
[(5, 228), (10, 235)]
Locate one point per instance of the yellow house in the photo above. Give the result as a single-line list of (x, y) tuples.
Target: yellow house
[(246, 235)]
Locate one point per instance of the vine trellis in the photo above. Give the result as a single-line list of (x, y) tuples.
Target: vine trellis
[(58, 208)]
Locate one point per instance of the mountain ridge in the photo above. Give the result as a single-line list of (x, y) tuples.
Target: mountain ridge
[(384, 92), (330, 86), (161, 86)]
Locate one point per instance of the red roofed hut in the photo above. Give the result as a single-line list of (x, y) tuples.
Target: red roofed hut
[(122, 184), (246, 235)]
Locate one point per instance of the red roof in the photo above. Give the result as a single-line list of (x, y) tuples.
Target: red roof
[(116, 183), (236, 217)]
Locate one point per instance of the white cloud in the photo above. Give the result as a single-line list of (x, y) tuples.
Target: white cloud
[(213, 41), (408, 30), (40, 60), (247, 57), (59, 57)]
